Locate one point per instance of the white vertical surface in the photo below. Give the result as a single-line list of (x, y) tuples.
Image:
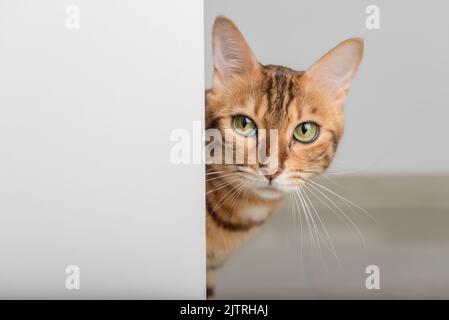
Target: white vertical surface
[(85, 176)]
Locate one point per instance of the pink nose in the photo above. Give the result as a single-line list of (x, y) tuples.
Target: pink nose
[(274, 175)]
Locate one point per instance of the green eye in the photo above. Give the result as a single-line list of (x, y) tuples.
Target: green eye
[(306, 132), (244, 126)]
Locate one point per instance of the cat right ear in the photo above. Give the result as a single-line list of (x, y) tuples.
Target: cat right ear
[(231, 54), (336, 69)]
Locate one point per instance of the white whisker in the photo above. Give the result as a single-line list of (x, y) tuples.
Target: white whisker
[(317, 233), (342, 198), (222, 185), (309, 227), (222, 176), (224, 197), (342, 212), (331, 244)]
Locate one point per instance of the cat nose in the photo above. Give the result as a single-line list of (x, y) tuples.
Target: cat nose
[(269, 172), (274, 175)]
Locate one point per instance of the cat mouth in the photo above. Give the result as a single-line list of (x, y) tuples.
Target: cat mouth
[(269, 191), (270, 188)]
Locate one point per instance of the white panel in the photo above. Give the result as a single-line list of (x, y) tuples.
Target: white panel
[(85, 176)]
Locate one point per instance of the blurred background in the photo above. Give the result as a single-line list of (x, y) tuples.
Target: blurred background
[(385, 200)]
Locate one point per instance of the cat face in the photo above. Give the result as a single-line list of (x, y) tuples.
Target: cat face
[(305, 110)]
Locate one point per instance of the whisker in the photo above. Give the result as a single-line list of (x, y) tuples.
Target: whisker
[(217, 172), (331, 244), (342, 212), (224, 197), (233, 201), (222, 185), (295, 213), (342, 198), (222, 176), (299, 213), (303, 194), (329, 207), (331, 181), (309, 228), (314, 227)]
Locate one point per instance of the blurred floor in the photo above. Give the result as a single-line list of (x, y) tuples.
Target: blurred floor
[(409, 241)]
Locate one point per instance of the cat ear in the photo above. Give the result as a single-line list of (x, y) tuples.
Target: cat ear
[(337, 68), (231, 54)]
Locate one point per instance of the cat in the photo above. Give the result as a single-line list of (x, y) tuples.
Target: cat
[(306, 109)]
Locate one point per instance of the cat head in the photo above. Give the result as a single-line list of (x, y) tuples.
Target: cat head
[(303, 108)]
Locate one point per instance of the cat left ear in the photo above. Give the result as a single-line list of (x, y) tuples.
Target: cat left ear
[(231, 54), (336, 69)]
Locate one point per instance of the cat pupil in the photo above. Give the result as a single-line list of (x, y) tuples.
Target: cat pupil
[(304, 128)]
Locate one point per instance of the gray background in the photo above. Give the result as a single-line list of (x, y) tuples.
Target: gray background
[(393, 160), (397, 110), (85, 176)]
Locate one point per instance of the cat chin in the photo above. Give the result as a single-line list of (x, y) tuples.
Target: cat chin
[(269, 193)]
